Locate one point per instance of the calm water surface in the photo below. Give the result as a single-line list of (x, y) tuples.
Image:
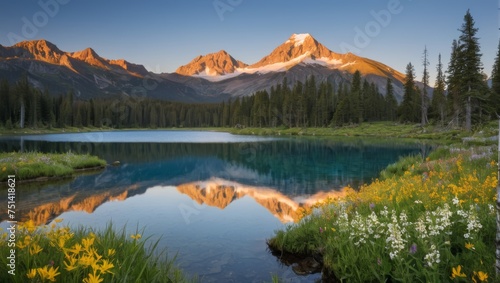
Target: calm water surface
[(213, 198)]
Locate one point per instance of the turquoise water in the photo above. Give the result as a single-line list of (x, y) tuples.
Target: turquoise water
[(213, 198)]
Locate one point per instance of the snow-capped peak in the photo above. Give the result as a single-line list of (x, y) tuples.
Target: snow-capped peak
[(299, 39)]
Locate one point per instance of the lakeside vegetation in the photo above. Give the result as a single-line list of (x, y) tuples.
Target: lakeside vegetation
[(382, 129), (424, 220), (32, 165), (55, 253)]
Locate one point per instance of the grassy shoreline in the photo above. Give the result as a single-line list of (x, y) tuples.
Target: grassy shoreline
[(462, 171), (367, 129), (34, 166), (429, 220), (56, 253), (485, 134)]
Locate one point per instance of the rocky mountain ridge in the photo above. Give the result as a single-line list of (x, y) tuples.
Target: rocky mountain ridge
[(213, 77)]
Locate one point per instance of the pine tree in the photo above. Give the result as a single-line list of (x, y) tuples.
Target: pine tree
[(342, 112), (425, 81), (495, 83), (355, 105), (226, 110), (5, 105), (390, 101), (368, 96), (438, 104), (470, 58), (454, 81), (23, 91), (408, 111)]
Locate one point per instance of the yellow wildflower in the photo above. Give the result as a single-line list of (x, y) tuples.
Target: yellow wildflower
[(61, 242), (93, 278), (482, 276), (21, 245), (106, 266), (87, 242), (35, 248), (58, 220), (86, 260), (136, 236), (4, 169), (29, 225), (77, 248), (457, 272), (95, 266), (71, 264), (48, 273), (31, 274), (469, 246), (111, 252)]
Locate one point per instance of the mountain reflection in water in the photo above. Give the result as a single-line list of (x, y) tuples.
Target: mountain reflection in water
[(212, 199), (44, 206), (280, 175)]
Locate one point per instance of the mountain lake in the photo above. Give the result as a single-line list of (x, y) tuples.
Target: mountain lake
[(211, 198)]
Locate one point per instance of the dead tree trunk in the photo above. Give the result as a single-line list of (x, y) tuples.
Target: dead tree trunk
[(22, 115), (468, 115)]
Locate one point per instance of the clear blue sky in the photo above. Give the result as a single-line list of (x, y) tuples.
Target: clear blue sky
[(162, 35)]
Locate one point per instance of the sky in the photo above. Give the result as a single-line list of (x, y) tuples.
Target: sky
[(163, 35)]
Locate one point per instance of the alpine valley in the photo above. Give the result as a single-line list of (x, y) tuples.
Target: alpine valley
[(213, 77)]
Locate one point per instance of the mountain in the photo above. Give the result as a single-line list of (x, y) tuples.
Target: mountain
[(296, 59), (214, 64), (86, 73), (299, 48), (210, 78)]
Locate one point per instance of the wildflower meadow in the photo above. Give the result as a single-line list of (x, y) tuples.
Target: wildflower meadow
[(54, 253), (430, 221)]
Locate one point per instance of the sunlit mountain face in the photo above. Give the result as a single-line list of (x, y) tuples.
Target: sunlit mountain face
[(213, 77)]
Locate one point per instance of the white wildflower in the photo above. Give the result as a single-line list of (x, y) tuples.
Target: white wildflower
[(421, 228), (395, 242), (472, 220), (433, 257), (384, 212)]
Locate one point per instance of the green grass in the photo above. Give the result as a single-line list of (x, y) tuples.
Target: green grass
[(398, 168), (480, 134), (46, 130), (393, 229), (376, 129), (78, 255), (32, 165)]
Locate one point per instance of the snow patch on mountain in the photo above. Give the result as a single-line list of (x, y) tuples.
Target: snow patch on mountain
[(298, 39), (348, 64), (276, 67), (323, 61)]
